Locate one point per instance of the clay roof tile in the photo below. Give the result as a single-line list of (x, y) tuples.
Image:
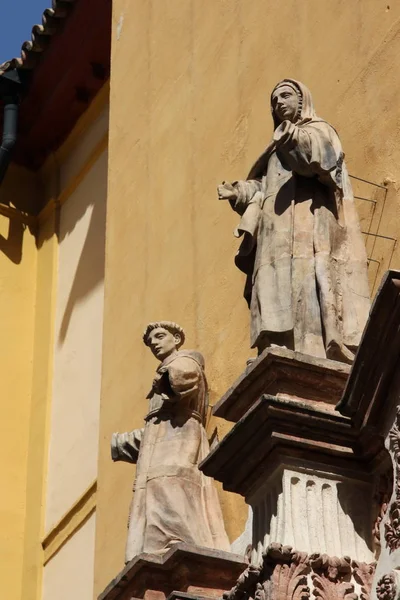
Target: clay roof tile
[(31, 50)]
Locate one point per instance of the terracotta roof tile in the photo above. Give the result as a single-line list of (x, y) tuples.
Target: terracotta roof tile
[(31, 50)]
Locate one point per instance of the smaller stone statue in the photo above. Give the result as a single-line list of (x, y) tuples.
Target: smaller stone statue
[(173, 500)]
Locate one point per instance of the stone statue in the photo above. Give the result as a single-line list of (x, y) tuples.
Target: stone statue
[(302, 249), (173, 500)]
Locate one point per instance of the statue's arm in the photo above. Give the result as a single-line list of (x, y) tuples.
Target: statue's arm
[(310, 150), (183, 377), (126, 446), (239, 193)]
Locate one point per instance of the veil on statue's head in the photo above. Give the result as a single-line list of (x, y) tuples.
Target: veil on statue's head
[(306, 110)]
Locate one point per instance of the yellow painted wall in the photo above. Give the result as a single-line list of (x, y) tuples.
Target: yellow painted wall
[(190, 89), (29, 274), (17, 307), (39, 417)]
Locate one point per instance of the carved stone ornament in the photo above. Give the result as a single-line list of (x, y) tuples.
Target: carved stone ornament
[(392, 526), (363, 575), (289, 575), (386, 587), (331, 578)]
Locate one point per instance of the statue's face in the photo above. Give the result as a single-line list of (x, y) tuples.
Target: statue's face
[(285, 103), (162, 343)]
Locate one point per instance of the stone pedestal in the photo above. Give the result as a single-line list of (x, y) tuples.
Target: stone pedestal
[(182, 573), (308, 474)]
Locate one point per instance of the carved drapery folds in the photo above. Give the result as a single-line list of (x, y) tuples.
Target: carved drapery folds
[(289, 575), (392, 526)]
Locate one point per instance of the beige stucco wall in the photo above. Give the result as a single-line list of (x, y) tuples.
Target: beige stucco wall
[(70, 573), (193, 111), (77, 344)]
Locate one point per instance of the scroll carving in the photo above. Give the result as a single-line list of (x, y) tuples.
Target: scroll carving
[(363, 574), (392, 527), (386, 587), (245, 585), (331, 578), (286, 575)]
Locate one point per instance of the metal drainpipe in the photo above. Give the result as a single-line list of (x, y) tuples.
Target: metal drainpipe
[(12, 85), (10, 123)]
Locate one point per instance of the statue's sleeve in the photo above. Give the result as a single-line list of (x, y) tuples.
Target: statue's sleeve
[(246, 190), (184, 377), (313, 150), (126, 446)]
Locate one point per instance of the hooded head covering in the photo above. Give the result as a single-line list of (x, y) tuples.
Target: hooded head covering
[(306, 111), (305, 114)]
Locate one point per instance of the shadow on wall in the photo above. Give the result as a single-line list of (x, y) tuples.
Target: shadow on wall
[(11, 246), (20, 191), (89, 272)]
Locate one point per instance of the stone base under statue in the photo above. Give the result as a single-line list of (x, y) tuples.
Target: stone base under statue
[(188, 570), (308, 474)]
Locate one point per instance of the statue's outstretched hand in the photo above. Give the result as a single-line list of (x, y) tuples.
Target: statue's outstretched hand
[(226, 191), (283, 132)]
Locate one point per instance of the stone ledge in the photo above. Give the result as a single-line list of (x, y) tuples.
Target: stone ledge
[(203, 571), (285, 431), (282, 372), (376, 364)]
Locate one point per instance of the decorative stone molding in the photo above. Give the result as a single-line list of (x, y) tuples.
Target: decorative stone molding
[(392, 526), (331, 577), (363, 575), (386, 587), (383, 491), (314, 511), (287, 572), (289, 575), (245, 584)]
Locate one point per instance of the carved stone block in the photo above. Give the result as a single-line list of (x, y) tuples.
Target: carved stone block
[(192, 570), (284, 373)]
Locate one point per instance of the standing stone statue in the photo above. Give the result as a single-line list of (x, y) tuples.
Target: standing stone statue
[(302, 249), (173, 500)]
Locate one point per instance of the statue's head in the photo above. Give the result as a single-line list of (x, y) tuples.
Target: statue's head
[(285, 102), (291, 101), (163, 338)]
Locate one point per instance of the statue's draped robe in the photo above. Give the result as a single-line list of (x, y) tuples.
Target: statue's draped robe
[(302, 249), (173, 500)]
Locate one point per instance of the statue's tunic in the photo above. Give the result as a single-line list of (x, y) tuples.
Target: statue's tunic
[(173, 500), (302, 249)]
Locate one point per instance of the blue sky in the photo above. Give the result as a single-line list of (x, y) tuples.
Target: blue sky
[(17, 19)]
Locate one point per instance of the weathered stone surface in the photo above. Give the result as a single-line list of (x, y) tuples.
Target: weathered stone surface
[(313, 509), (376, 364), (173, 500), (284, 373), (198, 571), (372, 400), (302, 249), (276, 430), (286, 574)]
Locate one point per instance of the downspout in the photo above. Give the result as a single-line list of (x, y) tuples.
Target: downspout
[(10, 123), (10, 90)]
